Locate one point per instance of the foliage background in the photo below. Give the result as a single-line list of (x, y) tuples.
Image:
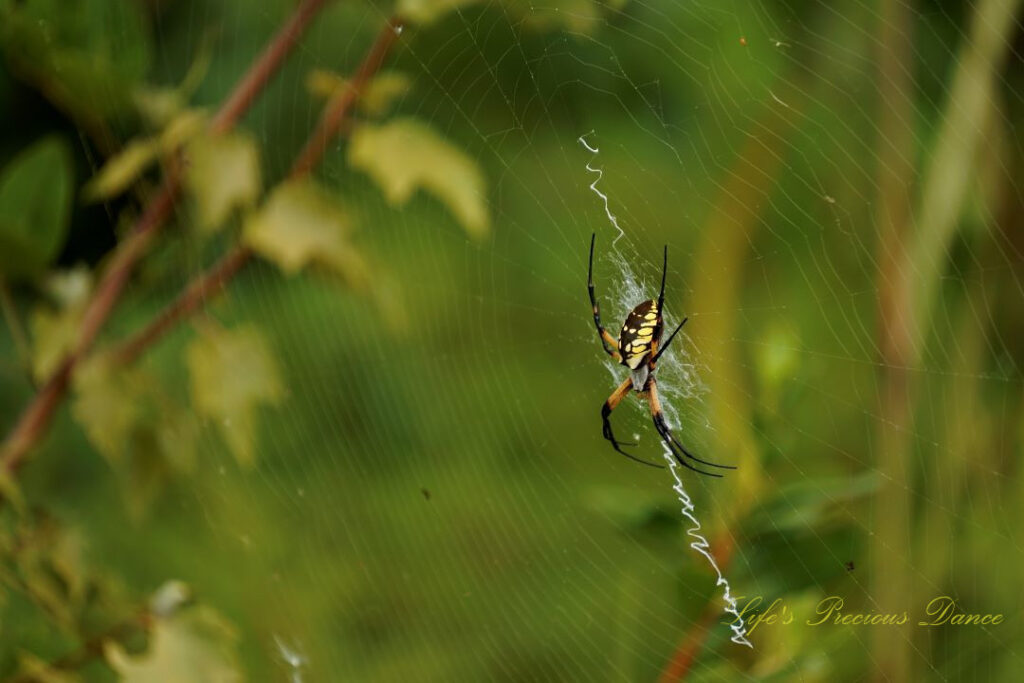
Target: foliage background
[(429, 496)]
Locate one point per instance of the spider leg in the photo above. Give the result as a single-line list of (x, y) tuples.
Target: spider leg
[(608, 342), (671, 441), (606, 410), (672, 336)]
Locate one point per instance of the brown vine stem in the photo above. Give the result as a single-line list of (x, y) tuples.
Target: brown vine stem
[(210, 282), (339, 106), (36, 417), (689, 647), (692, 642)]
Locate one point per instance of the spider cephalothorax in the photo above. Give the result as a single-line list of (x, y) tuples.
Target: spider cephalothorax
[(638, 348)]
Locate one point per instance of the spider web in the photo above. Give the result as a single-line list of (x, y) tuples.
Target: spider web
[(437, 503), (699, 543)]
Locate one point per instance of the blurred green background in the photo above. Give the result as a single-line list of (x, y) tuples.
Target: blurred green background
[(431, 498)]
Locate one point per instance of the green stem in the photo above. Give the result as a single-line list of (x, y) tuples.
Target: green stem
[(890, 540), (953, 166)]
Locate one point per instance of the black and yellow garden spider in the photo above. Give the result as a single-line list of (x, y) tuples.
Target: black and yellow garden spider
[(638, 348)]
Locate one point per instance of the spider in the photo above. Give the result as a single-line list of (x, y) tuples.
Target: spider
[(639, 348)]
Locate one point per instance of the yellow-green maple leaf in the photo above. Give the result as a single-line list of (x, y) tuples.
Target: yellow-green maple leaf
[(55, 330), (426, 11), (130, 420), (301, 224), (196, 646), (122, 169), (223, 175), (232, 374), (107, 405), (32, 668), (376, 98), (405, 154)]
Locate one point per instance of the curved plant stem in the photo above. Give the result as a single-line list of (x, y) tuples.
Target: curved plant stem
[(679, 666), (35, 418), (692, 642), (340, 105)]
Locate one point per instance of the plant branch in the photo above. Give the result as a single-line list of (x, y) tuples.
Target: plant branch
[(681, 662), (690, 645), (195, 293), (339, 106), (208, 283), (266, 65), (36, 417)]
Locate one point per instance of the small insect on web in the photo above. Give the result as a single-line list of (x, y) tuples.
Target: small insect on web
[(639, 348)]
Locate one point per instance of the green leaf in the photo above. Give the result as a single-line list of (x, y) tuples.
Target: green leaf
[(49, 559), (121, 170), (32, 668), (54, 337), (426, 11), (125, 167), (233, 373), (382, 91), (144, 435), (196, 646), (85, 56), (182, 128), (108, 406), (377, 97), (159, 105), (35, 206), (55, 330), (405, 154), (11, 493), (223, 175), (67, 559), (301, 224)]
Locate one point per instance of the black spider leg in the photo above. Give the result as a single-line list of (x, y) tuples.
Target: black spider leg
[(666, 434), (670, 440), (670, 338), (607, 341), (606, 425), (686, 452)]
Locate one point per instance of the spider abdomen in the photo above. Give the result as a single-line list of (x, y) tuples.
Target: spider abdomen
[(640, 332)]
